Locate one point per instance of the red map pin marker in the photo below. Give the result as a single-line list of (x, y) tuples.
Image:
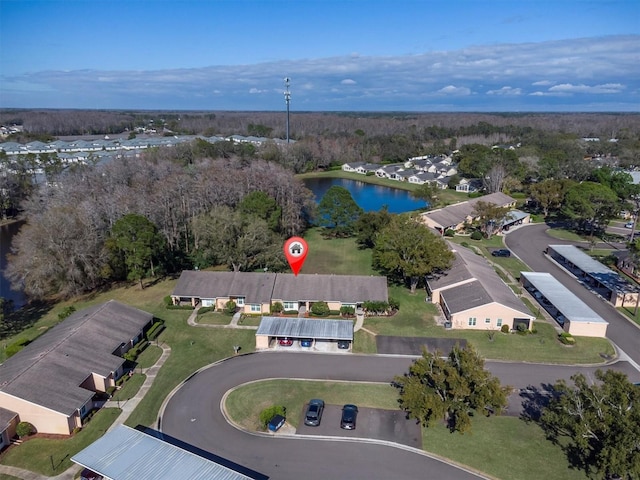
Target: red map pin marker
[(295, 249)]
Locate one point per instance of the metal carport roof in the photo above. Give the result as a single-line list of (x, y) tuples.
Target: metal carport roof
[(128, 454), (318, 328), (574, 309)]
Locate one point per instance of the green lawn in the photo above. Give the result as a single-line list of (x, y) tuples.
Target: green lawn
[(41, 454), (148, 357), (503, 447), (339, 256), (130, 387), (213, 318)]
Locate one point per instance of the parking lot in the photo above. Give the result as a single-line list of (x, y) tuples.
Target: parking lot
[(389, 425), (413, 345), (317, 346)]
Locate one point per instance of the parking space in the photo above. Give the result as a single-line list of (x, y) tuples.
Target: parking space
[(413, 345), (324, 346), (389, 425)]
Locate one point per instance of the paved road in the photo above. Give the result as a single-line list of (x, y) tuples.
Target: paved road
[(528, 243), (193, 415)]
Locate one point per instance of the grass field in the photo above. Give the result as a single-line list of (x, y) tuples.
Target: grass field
[(491, 446)]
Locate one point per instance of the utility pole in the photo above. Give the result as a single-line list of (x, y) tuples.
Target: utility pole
[(287, 99)]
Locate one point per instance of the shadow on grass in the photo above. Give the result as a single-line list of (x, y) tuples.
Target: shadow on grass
[(24, 317)]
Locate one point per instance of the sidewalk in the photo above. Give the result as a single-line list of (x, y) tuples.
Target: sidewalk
[(127, 406)]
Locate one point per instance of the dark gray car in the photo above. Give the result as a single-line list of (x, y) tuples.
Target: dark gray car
[(349, 415), (314, 412)]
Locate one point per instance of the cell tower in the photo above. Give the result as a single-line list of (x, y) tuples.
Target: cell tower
[(287, 99)]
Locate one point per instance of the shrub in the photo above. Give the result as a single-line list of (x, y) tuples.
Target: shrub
[(320, 309), (290, 312), (394, 304), (375, 307), (567, 338), (67, 311), (449, 232), (521, 328), (155, 330), (504, 329), (268, 413), (476, 235), (230, 307), (24, 429), (347, 311), (206, 309), (277, 307), (464, 244), (167, 301)]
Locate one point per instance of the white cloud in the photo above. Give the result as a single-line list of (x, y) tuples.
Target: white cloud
[(348, 81), (543, 83), (256, 90), (505, 91), (453, 90), (605, 88)]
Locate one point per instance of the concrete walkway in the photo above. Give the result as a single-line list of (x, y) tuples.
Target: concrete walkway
[(234, 323), (127, 407)]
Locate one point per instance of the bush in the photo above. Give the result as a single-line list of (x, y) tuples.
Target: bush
[(179, 307), (24, 429), (449, 232), (168, 301), (504, 329), (320, 309), (464, 244), (476, 235), (206, 309), (67, 311), (394, 304), (347, 311), (230, 307), (155, 330), (277, 307), (521, 328), (290, 312), (567, 338), (133, 353), (268, 413)]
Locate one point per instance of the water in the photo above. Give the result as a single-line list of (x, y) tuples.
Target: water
[(371, 198), (6, 234)]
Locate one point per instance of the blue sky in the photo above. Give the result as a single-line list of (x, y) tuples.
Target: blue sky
[(348, 55)]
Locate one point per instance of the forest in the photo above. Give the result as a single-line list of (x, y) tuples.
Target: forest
[(231, 205)]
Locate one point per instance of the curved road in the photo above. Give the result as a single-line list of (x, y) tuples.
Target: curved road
[(528, 244), (193, 413)]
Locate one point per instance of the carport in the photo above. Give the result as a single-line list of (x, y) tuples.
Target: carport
[(569, 311), (318, 329)]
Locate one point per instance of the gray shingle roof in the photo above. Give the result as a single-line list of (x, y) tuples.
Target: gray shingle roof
[(127, 454), (263, 287), (6, 417), (255, 287), (318, 328), (330, 288), (49, 371), (459, 212), (490, 286)]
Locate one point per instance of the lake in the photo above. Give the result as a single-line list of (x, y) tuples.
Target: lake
[(6, 234), (371, 198)]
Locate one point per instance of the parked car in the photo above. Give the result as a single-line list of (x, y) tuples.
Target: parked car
[(276, 423), (306, 342), (314, 412), (285, 342), (343, 344), (503, 252), (628, 225), (349, 416)]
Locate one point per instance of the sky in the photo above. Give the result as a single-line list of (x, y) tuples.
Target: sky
[(347, 55)]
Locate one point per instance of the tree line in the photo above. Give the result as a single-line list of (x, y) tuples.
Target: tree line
[(131, 218)]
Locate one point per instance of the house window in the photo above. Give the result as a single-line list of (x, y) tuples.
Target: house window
[(240, 301), (255, 308), (499, 323), (487, 320), (472, 321), (290, 305)]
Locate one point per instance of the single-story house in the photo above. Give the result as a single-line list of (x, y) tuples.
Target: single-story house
[(8, 423), (256, 292), (455, 216), (473, 296), (125, 453), (52, 381)]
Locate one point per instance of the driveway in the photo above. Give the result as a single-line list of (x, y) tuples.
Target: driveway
[(413, 345)]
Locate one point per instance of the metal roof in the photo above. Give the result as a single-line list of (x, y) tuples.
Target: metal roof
[(318, 328), (574, 309), (128, 454), (607, 277)]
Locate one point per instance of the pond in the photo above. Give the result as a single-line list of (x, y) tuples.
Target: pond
[(371, 198)]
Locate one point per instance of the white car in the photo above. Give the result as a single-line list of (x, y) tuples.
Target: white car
[(628, 225)]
